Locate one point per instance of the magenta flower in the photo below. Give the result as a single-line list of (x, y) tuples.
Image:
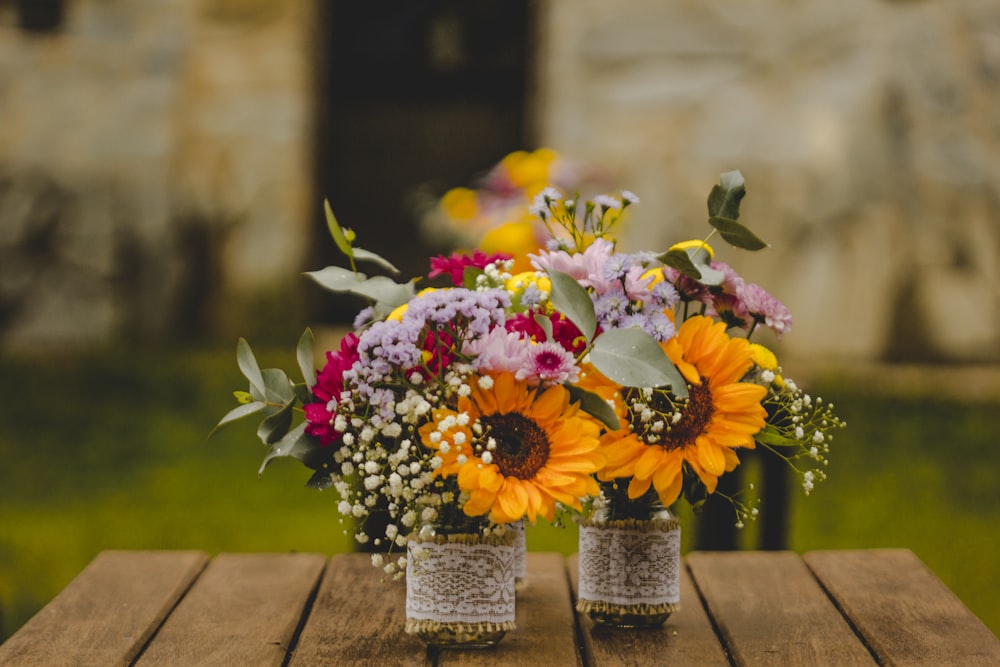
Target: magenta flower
[(329, 385), (456, 263)]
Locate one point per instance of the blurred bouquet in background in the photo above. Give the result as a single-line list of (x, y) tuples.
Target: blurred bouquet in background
[(494, 215)]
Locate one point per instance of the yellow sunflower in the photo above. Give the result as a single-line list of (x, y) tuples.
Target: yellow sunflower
[(516, 449), (721, 414)]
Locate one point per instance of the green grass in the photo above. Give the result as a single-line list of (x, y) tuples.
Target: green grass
[(110, 452)]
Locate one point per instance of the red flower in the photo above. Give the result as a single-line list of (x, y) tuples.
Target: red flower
[(564, 332)]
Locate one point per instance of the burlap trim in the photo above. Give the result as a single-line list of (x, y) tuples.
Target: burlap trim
[(641, 525), (587, 606), (414, 626), (506, 538)]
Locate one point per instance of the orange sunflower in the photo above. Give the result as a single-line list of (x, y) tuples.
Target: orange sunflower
[(516, 449), (721, 414)]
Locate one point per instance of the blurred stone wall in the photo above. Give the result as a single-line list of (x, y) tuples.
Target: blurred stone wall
[(868, 132), (157, 170), (155, 165)]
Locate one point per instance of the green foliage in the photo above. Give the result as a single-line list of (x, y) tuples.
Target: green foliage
[(633, 358), (571, 299)]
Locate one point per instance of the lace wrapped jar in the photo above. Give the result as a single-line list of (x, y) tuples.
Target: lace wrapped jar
[(460, 587), (629, 559)]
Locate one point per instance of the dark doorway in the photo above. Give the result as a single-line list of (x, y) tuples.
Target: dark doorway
[(417, 95)]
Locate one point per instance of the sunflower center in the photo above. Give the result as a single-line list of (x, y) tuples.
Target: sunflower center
[(696, 416), (522, 447)]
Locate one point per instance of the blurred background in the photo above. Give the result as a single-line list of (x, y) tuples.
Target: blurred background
[(163, 165)]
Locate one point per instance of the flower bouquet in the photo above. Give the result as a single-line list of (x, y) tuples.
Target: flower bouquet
[(603, 383)]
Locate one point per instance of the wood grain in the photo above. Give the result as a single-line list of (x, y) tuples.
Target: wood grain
[(686, 639), (243, 610), (358, 620), (770, 610), (546, 632), (108, 612), (902, 610)]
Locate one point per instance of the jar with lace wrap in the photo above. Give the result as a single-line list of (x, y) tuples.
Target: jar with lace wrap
[(629, 560), (460, 586)]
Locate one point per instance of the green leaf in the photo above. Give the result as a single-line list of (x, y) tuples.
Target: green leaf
[(737, 234), (336, 278), (305, 356), (469, 276), (770, 436), (595, 406), (546, 324), (379, 289), (320, 480), (571, 299), (633, 358), (239, 412), (679, 259), (369, 256), (295, 444), (277, 386), (724, 199), (335, 230), (248, 364), (276, 425)]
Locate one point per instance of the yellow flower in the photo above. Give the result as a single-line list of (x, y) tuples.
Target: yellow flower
[(722, 414), (517, 283), (528, 170), (694, 244), (763, 357), (544, 449), (517, 238), (460, 204)]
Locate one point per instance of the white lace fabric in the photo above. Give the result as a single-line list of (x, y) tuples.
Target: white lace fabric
[(457, 582), (627, 567)]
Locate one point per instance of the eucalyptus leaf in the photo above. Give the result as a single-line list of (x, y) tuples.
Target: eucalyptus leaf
[(305, 356), (469, 276), (274, 427), (248, 364), (337, 278), (239, 412), (546, 324), (320, 480), (679, 259), (571, 299), (335, 230), (277, 386), (369, 256), (295, 444), (633, 358), (595, 406), (737, 234), (303, 392), (724, 199)]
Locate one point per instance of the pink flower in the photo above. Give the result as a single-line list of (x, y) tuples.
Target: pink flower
[(455, 264), (329, 385), (587, 267), (499, 350), (765, 308), (549, 364)]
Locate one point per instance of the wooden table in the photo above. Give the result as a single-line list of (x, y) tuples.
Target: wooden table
[(182, 608)]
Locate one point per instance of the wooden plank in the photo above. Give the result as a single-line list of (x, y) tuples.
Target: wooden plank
[(546, 629), (771, 611), (108, 612), (902, 610), (358, 620), (243, 610), (686, 639)]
